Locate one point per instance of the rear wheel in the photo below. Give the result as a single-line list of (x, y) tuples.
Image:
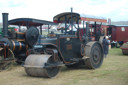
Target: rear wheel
[(95, 55), (6, 63)]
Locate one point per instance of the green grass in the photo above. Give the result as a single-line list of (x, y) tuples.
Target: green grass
[(114, 71), (115, 52)]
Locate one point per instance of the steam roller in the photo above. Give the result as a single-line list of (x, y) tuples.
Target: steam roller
[(68, 48), (41, 65)]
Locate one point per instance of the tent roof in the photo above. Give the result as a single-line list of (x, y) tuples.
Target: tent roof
[(75, 16)]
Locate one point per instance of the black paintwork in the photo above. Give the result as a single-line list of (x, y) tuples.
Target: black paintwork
[(68, 46), (74, 48), (29, 22), (5, 24)]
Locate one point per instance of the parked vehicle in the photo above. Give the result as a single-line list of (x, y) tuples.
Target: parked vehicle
[(119, 35), (76, 45), (14, 45)]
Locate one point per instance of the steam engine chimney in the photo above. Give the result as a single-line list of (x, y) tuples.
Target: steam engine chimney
[(5, 24)]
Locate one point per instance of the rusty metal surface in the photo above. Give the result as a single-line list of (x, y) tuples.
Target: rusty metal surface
[(69, 47)]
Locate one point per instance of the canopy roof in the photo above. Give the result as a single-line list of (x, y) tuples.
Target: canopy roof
[(75, 16), (29, 22)]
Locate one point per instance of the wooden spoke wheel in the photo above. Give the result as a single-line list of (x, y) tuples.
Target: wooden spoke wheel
[(6, 63)]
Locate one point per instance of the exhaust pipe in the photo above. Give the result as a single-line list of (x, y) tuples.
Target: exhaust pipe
[(5, 24)]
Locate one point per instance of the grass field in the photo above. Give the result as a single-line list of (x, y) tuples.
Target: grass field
[(114, 71)]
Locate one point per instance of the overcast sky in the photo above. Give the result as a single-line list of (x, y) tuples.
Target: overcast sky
[(116, 10)]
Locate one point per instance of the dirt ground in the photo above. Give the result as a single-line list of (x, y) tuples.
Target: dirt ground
[(114, 71)]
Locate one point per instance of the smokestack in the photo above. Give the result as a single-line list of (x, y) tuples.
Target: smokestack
[(5, 24)]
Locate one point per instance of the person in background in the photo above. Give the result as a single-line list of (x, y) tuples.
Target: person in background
[(105, 44)]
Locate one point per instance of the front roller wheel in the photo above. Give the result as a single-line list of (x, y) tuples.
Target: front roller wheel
[(95, 54), (35, 65)]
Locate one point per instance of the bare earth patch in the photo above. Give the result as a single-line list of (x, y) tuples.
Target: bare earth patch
[(114, 71)]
